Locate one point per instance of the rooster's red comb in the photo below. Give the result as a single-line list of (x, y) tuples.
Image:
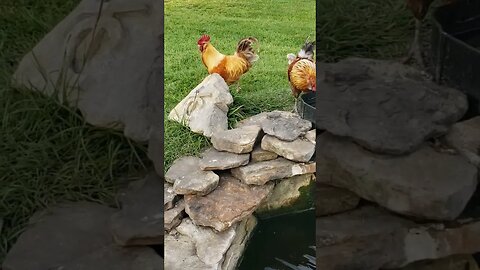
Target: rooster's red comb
[(203, 39)]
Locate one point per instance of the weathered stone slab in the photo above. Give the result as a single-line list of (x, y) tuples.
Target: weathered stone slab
[(385, 106), (236, 250), (239, 140), (285, 126), (259, 173), (199, 248), (173, 217), (465, 137), (332, 200), (205, 108), (140, 221), (76, 236), (425, 184), (258, 154), (188, 178), (115, 83), (216, 160), (455, 262), (210, 245), (372, 238), (299, 150), (229, 203)]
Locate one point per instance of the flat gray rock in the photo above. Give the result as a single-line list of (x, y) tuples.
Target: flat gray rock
[(76, 236), (216, 160), (210, 245), (299, 150), (255, 120), (385, 106), (258, 154), (140, 220), (205, 108), (372, 238), (425, 184), (116, 84), (239, 140), (173, 217), (332, 200), (286, 126), (259, 173), (188, 178), (465, 137), (229, 203)]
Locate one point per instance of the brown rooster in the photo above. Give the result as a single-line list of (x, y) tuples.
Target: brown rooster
[(419, 9), (230, 67), (301, 70)]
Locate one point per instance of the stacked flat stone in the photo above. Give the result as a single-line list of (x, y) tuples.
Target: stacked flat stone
[(210, 200), (377, 120), (87, 235)]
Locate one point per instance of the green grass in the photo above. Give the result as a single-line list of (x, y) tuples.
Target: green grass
[(281, 26), (375, 28), (48, 154)]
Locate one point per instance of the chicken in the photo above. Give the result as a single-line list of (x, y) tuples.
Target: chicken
[(419, 9), (230, 67), (301, 70)]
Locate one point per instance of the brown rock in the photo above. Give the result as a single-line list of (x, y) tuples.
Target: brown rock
[(76, 236), (465, 137), (455, 262), (425, 184), (259, 173), (229, 203), (140, 221), (372, 238), (173, 217), (258, 154), (331, 200), (286, 192)]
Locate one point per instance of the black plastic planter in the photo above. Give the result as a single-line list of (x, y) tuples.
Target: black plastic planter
[(456, 48), (306, 107)]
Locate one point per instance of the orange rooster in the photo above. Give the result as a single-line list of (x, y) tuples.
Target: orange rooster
[(230, 67), (301, 70)]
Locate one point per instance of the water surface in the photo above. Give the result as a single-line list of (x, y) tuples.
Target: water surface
[(282, 243)]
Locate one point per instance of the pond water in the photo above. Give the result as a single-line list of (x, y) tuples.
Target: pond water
[(282, 243)]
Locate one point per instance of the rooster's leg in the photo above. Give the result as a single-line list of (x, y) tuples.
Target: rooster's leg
[(416, 49)]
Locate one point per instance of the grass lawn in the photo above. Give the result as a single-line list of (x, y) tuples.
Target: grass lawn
[(281, 26), (47, 153)]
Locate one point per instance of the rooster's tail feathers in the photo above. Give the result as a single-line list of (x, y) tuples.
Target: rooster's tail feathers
[(245, 48), (307, 50)]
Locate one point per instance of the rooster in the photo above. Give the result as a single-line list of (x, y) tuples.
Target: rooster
[(301, 70), (229, 67), (419, 8)]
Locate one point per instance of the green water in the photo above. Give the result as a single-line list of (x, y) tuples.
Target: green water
[(282, 243)]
